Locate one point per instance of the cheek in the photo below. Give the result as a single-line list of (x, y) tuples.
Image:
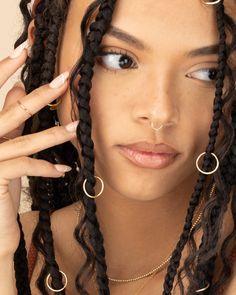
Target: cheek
[(109, 106), (198, 121)]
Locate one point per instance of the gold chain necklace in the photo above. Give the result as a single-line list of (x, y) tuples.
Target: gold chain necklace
[(168, 259), (158, 268)]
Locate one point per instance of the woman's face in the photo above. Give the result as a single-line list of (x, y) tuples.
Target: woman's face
[(154, 70)]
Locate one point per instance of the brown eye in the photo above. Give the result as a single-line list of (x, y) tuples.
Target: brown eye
[(207, 75), (116, 61)]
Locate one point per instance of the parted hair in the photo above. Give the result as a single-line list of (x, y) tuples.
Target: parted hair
[(49, 194)]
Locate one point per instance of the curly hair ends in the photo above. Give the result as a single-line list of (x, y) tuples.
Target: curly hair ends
[(51, 194)]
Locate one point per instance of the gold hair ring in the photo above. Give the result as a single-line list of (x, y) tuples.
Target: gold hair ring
[(55, 290), (210, 172), (87, 194), (211, 3), (24, 108), (203, 289)]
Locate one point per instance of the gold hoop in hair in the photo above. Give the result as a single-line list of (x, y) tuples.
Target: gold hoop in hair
[(211, 172), (211, 3), (55, 290), (87, 194), (203, 289), (53, 106)]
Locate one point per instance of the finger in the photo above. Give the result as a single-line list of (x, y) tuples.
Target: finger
[(15, 115), (9, 65), (15, 191), (25, 166), (30, 144), (17, 92)]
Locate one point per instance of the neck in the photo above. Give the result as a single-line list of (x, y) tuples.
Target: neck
[(140, 235)]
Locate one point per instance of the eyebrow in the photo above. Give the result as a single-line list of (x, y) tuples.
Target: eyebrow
[(133, 41), (207, 50), (126, 37)]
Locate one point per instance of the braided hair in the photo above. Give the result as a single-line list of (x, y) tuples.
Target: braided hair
[(51, 194)]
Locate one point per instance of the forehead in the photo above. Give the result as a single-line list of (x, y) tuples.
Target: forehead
[(161, 22), (157, 17), (170, 22)]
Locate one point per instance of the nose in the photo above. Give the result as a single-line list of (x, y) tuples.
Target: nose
[(158, 106)]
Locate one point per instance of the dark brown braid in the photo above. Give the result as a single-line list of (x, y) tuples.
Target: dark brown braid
[(97, 30), (45, 193)]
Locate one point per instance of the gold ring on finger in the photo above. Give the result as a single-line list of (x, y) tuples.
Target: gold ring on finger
[(53, 106), (24, 108), (7, 138)]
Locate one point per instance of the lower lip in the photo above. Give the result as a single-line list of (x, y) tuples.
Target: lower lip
[(148, 160)]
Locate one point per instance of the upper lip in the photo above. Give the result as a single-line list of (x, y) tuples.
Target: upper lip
[(144, 146)]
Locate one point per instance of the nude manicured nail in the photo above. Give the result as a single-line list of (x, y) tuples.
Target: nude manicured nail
[(72, 126), (62, 168), (17, 52), (59, 80)]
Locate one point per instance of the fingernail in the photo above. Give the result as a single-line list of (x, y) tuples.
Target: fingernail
[(59, 80), (72, 126), (62, 168), (17, 52)]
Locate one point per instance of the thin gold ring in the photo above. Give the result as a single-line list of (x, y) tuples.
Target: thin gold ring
[(211, 3), (24, 108), (203, 289), (210, 172), (53, 106), (90, 196), (55, 290), (7, 138)]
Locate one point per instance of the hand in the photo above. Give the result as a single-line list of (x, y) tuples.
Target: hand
[(14, 160)]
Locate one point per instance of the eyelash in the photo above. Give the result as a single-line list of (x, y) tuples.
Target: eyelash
[(125, 53), (116, 52)]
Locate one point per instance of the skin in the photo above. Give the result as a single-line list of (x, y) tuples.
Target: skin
[(148, 210)]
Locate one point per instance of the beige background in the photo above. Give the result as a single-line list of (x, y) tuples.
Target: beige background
[(10, 29)]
